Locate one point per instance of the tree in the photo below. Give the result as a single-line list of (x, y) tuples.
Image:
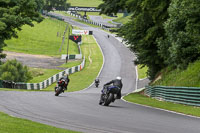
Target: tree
[(182, 42), (161, 33), (112, 6), (14, 71), (13, 15), (55, 4), (145, 27)]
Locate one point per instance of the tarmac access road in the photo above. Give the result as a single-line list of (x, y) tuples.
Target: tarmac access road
[(80, 111)]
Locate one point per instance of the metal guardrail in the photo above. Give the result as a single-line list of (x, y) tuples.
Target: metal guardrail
[(182, 95)]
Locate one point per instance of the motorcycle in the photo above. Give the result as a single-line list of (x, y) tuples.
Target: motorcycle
[(60, 87), (109, 94), (97, 84)]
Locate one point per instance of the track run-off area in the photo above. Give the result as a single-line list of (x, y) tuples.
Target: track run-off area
[(80, 111)]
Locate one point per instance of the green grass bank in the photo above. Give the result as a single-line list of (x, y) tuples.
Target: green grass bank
[(85, 3), (44, 38), (189, 77)]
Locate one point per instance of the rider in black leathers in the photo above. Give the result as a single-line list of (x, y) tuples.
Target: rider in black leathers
[(97, 82), (116, 83)]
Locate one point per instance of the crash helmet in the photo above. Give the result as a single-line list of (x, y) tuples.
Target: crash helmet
[(118, 78)]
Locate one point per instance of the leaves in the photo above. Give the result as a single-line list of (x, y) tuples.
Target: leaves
[(160, 33), (13, 15), (14, 71), (183, 32)]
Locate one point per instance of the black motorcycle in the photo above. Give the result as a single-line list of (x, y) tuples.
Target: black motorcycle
[(96, 82), (60, 87), (109, 94)]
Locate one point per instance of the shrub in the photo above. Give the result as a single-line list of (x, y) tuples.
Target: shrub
[(13, 70)]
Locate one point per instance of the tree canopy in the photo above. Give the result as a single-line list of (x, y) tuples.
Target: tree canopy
[(55, 4), (182, 42), (161, 33), (13, 15)]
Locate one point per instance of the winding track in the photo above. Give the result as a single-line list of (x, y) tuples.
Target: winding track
[(80, 110)]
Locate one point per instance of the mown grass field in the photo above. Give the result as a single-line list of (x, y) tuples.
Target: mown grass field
[(85, 3), (10, 124), (44, 38)]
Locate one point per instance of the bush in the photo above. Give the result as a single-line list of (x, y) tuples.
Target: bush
[(13, 70)]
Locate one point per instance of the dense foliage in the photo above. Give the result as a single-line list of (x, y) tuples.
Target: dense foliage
[(14, 71), (112, 6), (182, 42), (55, 4), (16, 13), (161, 33), (13, 15)]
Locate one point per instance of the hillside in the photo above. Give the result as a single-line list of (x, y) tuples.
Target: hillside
[(85, 3), (189, 77), (122, 19)]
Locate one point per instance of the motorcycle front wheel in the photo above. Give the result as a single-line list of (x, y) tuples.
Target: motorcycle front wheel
[(58, 91)]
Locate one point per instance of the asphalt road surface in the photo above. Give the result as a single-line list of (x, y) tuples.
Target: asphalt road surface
[(36, 61), (80, 111), (99, 19)]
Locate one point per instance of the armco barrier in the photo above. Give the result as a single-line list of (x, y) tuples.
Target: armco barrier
[(51, 80), (183, 95)]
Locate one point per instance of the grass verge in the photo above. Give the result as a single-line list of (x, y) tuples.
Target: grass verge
[(141, 99), (9, 124)]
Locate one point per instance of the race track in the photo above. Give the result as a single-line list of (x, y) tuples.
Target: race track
[(80, 111)]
